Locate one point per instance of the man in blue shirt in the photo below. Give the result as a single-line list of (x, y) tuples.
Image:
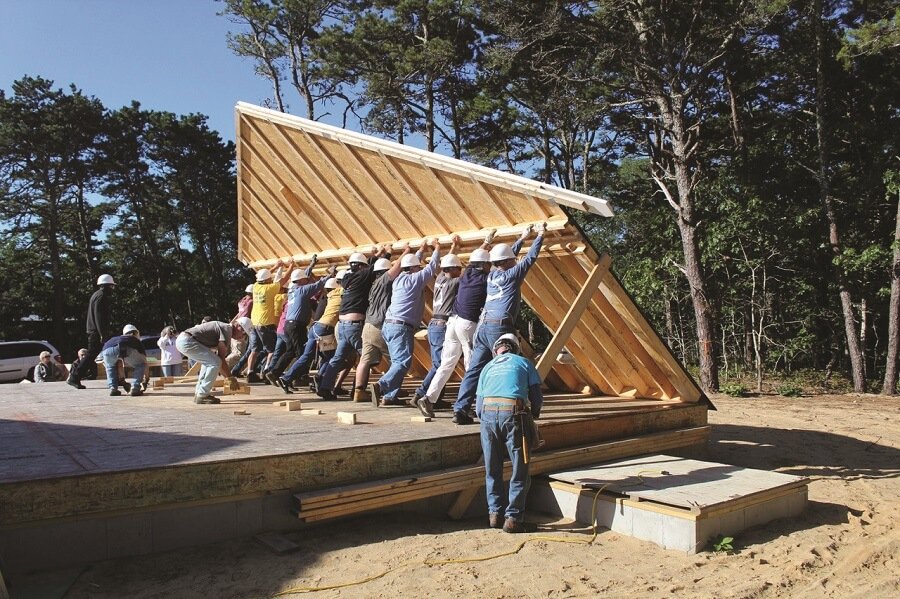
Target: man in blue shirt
[(501, 310), (401, 320), (508, 386), (128, 348)]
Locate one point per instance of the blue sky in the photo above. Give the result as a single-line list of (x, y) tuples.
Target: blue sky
[(167, 54)]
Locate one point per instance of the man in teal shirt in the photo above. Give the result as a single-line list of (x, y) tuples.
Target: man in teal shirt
[(509, 385)]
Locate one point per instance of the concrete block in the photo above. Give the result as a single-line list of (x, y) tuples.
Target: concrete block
[(53, 545), (248, 517), (184, 527), (129, 534)]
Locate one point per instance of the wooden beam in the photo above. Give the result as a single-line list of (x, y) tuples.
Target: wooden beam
[(574, 314)]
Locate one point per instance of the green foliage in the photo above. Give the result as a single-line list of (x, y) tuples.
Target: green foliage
[(734, 389), (723, 544), (790, 389)]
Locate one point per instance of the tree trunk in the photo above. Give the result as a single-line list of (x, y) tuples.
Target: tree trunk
[(53, 250), (834, 239), (890, 371), (86, 235)]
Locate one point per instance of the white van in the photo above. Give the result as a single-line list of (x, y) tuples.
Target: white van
[(19, 358)]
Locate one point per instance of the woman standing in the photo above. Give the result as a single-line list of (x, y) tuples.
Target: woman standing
[(170, 358)]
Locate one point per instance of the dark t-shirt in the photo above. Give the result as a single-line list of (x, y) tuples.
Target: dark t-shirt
[(98, 313), (125, 341), (379, 300), (471, 295)]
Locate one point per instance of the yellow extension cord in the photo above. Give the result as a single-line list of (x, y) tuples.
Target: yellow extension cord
[(464, 560)]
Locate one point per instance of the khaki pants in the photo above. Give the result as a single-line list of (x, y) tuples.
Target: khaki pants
[(374, 347)]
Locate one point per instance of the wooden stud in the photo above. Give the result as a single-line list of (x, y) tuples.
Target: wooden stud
[(310, 412), (158, 384), (346, 417), (292, 405), (420, 419), (243, 390)]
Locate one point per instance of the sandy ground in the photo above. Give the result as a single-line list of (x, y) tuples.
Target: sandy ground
[(846, 544)]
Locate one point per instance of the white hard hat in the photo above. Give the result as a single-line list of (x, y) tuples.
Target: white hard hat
[(249, 288), (381, 264), (450, 261), (501, 252), (509, 339), (357, 257), (130, 328), (331, 284), (245, 323), (263, 275), (340, 275), (409, 260), (480, 255), (297, 274), (105, 280)]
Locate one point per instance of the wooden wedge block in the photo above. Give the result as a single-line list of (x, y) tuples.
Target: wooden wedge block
[(158, 384), (310, 412), (346, 417), (292, 405), (420, 419), (244, 390), (241, 413), (218, 384), (168, 380), (280, 404)]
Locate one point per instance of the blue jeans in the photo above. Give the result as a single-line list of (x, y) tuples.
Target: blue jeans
[(301, 366), (499, 429), (280, 347), (349, 341), (399, 339), (209, 362), (482, 353), (437, 330), (171, 370), (131, 357), (243, 361)]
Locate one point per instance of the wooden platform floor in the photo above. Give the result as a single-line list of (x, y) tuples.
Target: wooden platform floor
[(52, 430)]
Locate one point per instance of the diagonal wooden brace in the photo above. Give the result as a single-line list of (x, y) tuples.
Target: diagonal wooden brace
[(548, 358)]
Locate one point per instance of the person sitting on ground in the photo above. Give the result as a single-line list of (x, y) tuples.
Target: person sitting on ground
[(509, 386), (128, 348), (169, 357), (90, 373), (47, 370), (208, 344)]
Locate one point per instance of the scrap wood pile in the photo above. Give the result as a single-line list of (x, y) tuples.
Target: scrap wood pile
[(350, 500)]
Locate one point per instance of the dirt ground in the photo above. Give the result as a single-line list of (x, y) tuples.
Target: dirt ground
[(846, 544)]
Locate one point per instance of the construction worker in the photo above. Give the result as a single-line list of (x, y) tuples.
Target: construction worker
[(357, 283), (97, 326), (264, 315), (128, 348), (508, 387), (402, 319), (467, 306), (443, 298), (208, 343), (321, 335), (374, 348), (501, 310), (298, 312), (245, 306)]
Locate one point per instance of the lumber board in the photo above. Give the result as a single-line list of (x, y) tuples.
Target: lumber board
[(364, 497)]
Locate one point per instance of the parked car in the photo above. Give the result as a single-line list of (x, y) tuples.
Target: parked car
[(19, 358)]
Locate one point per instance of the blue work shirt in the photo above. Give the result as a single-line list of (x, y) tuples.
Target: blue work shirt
[(510, 376), (473, 290), (504, 287), (299, 306), (125, 341), (407, 301)]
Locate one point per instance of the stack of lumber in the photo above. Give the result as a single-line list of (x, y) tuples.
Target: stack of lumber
[(339, 502)]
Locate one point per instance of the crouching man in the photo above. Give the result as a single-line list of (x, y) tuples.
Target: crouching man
[(128, 348), (508, 388), (208, 343)]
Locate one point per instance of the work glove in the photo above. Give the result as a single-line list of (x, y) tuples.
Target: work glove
[(233, 383)]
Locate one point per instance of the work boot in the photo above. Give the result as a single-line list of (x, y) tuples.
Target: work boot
[(513, 526), (375, 393), (127, 387), (425, 408), (271, 379), (340, 392), (495, 520), (361, 396), (137, 391), (284, 386), (303, 380), (462, 418), (253, 378), (75, 383), (114, 393), (326, 395), (206, 399)]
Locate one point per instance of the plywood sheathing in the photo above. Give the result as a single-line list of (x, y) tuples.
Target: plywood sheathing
[(306, 188)]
